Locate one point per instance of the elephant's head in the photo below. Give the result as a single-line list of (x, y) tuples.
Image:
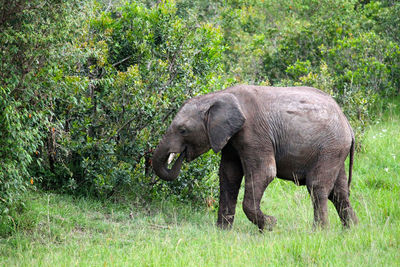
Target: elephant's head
[(202, 123)]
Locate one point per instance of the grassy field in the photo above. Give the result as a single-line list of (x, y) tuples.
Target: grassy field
[(66, 231)]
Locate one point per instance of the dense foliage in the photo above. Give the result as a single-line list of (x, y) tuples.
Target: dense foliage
[(136, 66), (87, 87), (32, 34)]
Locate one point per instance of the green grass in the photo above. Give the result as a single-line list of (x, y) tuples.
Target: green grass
[(61, 230)]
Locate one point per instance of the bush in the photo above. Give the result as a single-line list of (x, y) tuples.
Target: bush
[(32, 33), (136, 67), (342, 55)]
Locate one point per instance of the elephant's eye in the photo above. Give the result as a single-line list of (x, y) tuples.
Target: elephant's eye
[(182, 131)]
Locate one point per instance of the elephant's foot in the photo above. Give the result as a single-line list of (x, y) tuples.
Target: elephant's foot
[(225, 222), (319, 226), (269, 223), (257, 217), (349, 218), (224, 226)]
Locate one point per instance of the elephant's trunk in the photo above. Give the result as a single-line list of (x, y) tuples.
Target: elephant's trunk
[(160, 163)]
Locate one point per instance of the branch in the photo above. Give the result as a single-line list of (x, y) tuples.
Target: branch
[(122, 127), (109, 5), (121, 61)]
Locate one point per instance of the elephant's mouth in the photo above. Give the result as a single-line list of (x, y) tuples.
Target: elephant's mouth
[(188, 154), (174, 156)]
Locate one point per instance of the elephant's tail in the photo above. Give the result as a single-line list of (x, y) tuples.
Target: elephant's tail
[(351, 159)]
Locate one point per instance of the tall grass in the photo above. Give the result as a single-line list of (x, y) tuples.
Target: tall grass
[(62, 230)]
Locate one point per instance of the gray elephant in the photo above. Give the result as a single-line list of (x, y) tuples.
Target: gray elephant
[(293, 133)]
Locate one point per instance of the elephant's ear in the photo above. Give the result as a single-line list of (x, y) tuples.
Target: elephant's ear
[(225, 118)]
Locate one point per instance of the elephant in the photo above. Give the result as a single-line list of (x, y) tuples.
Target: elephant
[(298, 134)]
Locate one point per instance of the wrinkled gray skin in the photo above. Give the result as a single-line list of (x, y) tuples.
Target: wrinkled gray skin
[(293, 133)]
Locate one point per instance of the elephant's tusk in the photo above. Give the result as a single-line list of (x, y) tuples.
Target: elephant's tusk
[(171, 157)]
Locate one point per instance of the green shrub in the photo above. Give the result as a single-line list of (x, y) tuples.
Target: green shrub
[(136, 67), (342, 56), (365, 62), (32, 35)]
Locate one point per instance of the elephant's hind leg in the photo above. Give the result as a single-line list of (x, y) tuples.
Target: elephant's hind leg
[(340, 199), (319, 199), (230, 178), (320, 182)]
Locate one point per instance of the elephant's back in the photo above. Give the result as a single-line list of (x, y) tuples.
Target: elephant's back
[(302, 123), (297, 106), (304, 114)]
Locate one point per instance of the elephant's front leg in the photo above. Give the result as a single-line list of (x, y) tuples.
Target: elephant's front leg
[(256, 181), (230, 178)]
